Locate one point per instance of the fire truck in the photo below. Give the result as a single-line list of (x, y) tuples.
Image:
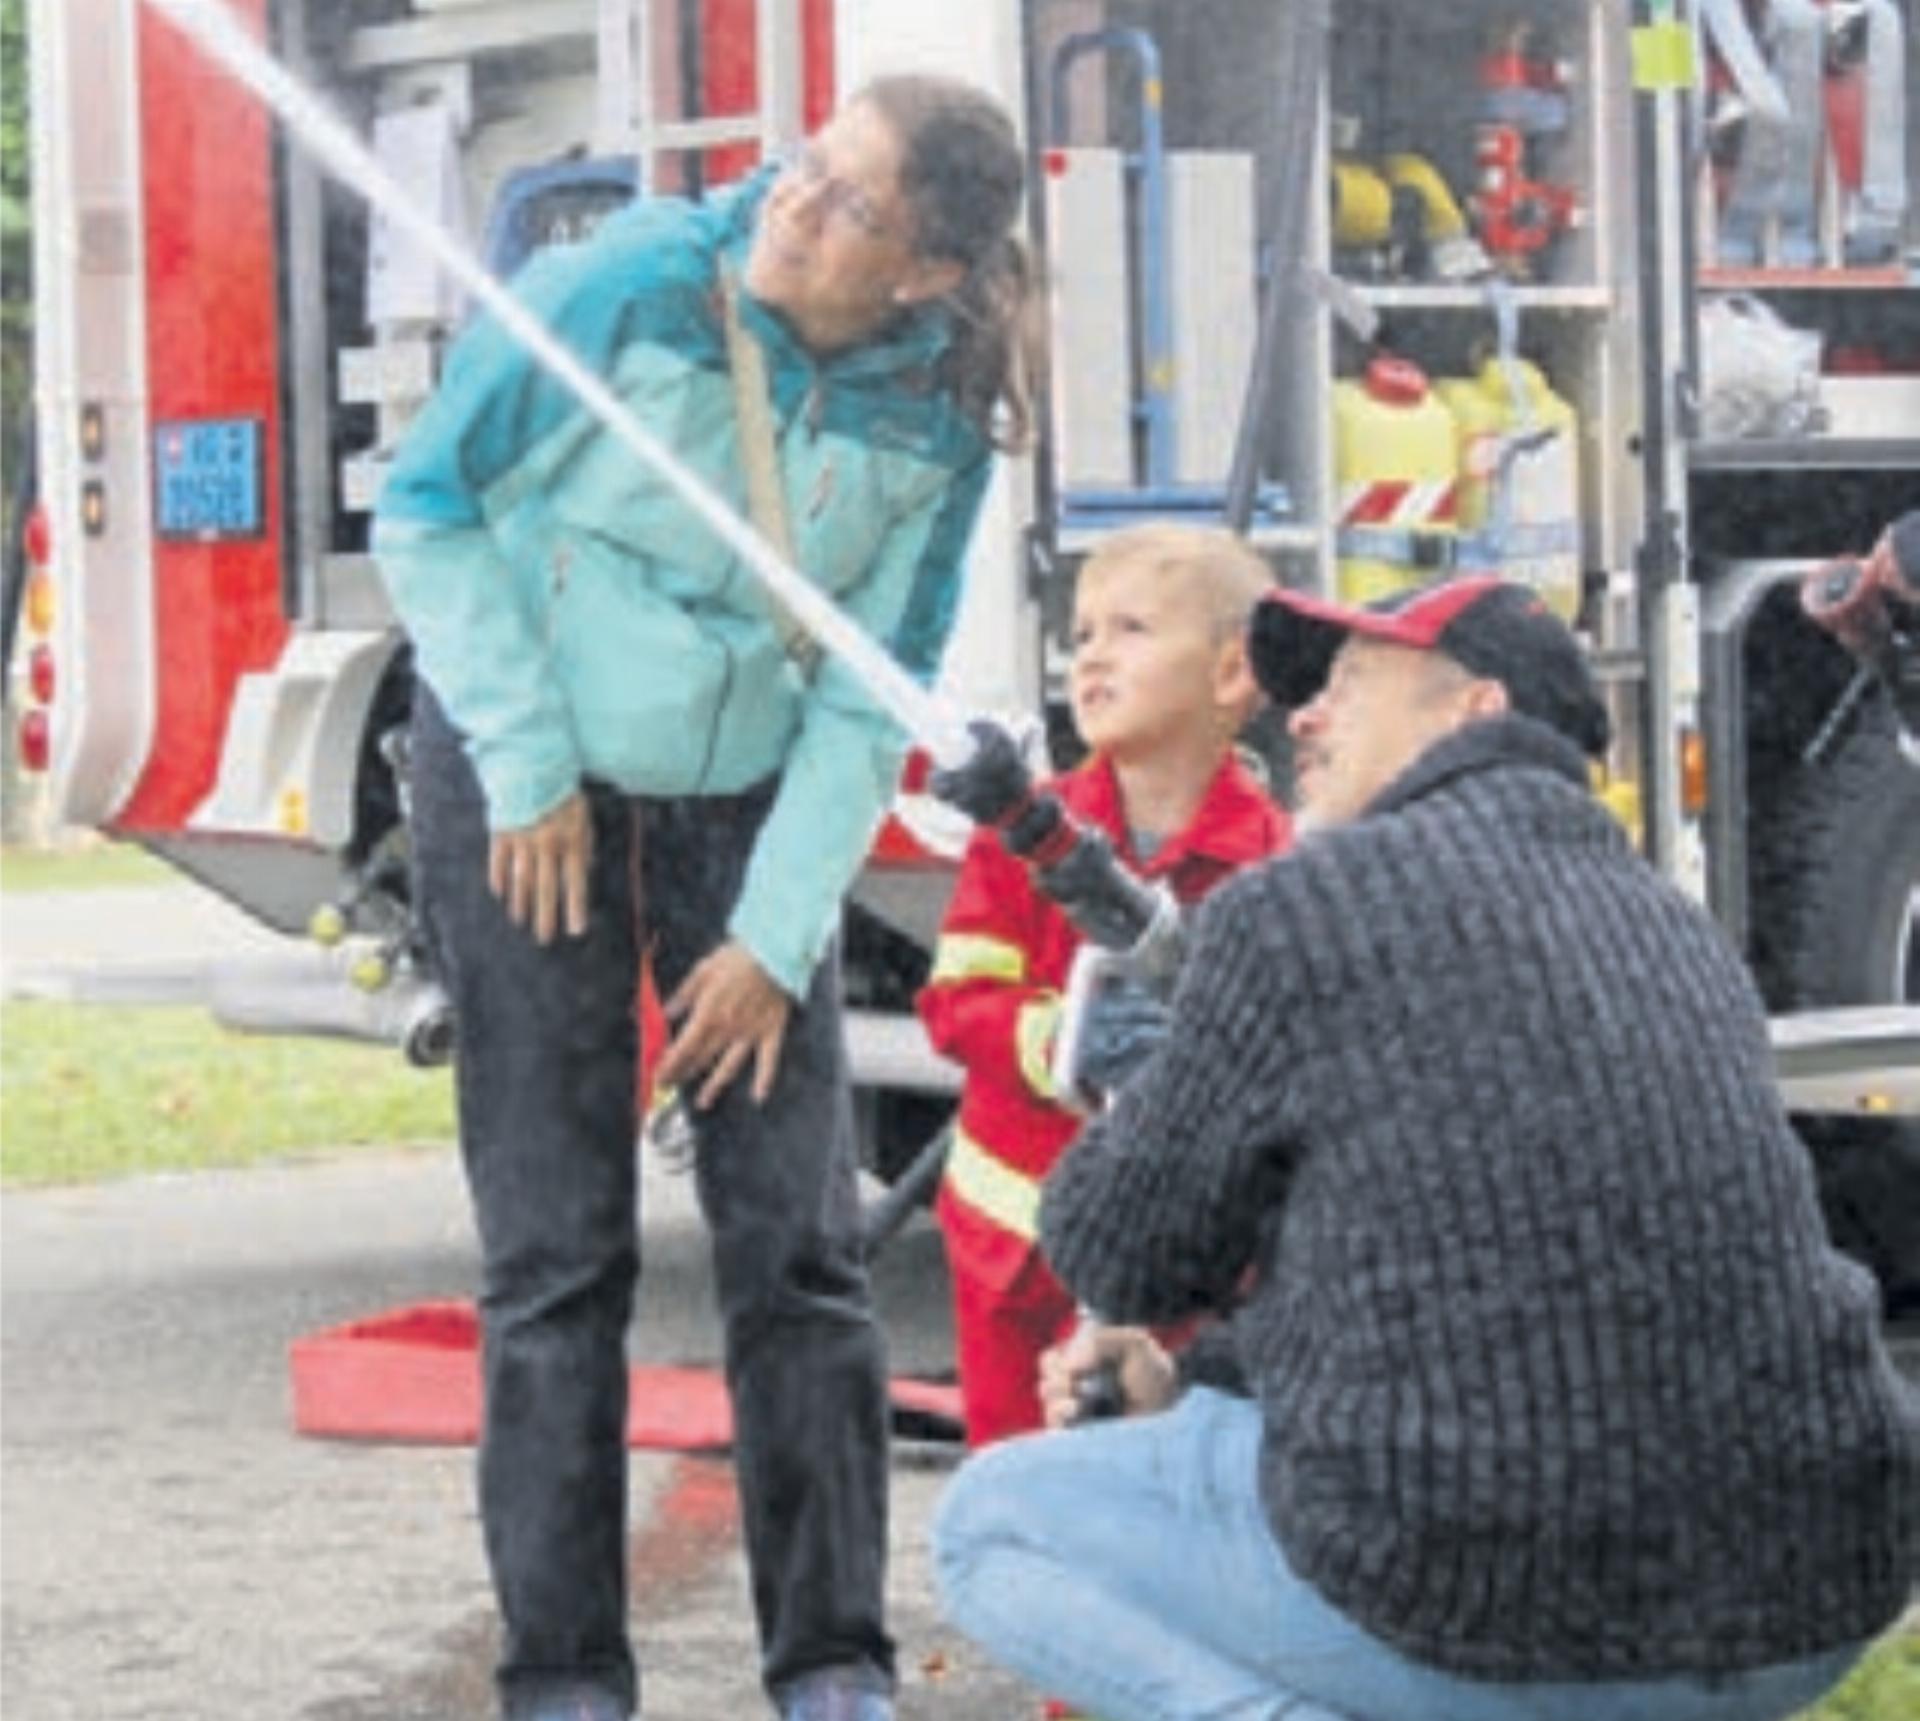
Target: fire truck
[(1619, 296)]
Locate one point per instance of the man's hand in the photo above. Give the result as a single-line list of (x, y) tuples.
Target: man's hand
[(1147, 1378), (1894, 565), (540, 870), (726, 1011)]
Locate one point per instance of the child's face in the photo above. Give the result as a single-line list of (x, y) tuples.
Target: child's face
[(1149, 671)]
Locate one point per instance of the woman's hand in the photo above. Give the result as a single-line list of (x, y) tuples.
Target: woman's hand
[(726, 1011), (540, 870)]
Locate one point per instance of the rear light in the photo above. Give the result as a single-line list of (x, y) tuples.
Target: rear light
[(37, 603), (36, 536), (36, 740), (1693, 773), (40, 677)]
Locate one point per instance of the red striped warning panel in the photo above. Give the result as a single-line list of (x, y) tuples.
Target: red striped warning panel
[(413, 1374)]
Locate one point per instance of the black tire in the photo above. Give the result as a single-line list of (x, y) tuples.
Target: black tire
[(1838, 909), (1837, 898)]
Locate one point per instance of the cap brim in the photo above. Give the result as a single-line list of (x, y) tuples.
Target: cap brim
[(1293, 636)]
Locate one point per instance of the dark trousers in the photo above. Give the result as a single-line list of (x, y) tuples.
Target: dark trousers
[(546, 1079)]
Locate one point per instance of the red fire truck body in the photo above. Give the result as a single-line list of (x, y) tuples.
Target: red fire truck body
[(230, 344)]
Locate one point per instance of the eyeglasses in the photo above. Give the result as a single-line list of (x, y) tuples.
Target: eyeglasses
[(807, 168)]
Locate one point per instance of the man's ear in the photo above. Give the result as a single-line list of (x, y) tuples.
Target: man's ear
[(1486, 698)]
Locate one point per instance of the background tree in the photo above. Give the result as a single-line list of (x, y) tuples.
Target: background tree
[(17, 798), (16, 223)]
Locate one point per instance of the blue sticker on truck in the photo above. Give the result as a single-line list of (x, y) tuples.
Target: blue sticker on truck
[(208, 478)]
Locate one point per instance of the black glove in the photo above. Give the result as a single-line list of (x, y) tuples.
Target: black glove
[(990, 785), (1123, 1025)]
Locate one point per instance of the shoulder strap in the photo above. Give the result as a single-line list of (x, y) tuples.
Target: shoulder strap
[(766, 496)]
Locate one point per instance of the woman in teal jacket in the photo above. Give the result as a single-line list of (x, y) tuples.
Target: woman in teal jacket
[(620, 749)]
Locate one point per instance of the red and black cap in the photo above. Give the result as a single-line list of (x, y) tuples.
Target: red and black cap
[(1492, 628)]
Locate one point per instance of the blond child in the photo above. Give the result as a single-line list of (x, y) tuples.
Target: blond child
[(1160, 687)]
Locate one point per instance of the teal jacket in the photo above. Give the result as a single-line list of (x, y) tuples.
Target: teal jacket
[(577, 620)]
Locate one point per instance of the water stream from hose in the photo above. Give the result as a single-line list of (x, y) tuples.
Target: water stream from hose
[(931, 720)]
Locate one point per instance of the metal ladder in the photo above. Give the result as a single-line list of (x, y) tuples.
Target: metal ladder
[(627, 121)]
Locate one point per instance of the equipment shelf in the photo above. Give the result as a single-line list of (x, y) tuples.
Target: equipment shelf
[(468, 30), (1838, 452), (1892, 277), (1420, 296)]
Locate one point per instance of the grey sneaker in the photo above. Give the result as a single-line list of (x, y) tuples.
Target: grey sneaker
[(581, 1706), (834, 1694)]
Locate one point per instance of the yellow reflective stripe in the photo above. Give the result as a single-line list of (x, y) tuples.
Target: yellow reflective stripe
[(1010, 1198), (1033, 1030), (968, 956)]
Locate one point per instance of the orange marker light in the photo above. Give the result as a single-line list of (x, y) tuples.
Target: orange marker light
[(1693, 773), (36, 603), (290, 811)]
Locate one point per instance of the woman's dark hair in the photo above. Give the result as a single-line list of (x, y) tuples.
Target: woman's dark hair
[(962, 174)]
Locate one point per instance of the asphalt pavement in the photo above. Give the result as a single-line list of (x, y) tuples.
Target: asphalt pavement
[(172, 1550)]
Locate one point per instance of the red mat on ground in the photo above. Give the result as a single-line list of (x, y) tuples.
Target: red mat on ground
[(413, 1374)]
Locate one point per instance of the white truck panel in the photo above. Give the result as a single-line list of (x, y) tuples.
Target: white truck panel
[(90, 323), (1210, 260), (292, 746), (979, 42), (1092, 339)]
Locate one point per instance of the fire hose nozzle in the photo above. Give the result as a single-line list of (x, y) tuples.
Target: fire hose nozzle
[(1075, 865), (992, 784)]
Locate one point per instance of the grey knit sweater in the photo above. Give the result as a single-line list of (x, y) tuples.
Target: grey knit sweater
[(1559, 1377)]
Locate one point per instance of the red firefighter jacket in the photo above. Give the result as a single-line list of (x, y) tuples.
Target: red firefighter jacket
[(993, 999)]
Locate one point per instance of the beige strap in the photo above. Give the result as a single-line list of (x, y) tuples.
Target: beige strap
[(766, 496)]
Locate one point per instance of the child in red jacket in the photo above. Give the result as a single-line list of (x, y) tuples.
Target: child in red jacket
[(1160, 687)]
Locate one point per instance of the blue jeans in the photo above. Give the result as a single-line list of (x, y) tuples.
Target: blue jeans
[(1129, 1568), (546, 1086)]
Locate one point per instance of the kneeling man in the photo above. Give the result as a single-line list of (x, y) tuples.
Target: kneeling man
[(1542, 1393)]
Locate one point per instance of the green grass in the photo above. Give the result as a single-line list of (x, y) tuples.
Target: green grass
[(85, 866), (90, 1091), (1886, 1684)]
